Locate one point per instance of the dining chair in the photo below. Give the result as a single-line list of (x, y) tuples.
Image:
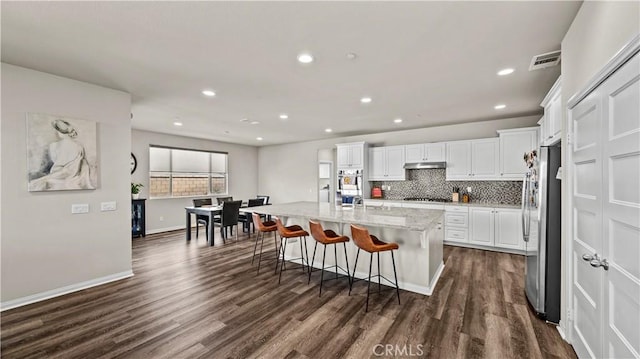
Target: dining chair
[(246, 218), (200, 218), (229, 218), (264, 198), (224, 199)]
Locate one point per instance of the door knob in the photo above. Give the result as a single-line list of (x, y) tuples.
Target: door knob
[(599, 263), (587, 257)]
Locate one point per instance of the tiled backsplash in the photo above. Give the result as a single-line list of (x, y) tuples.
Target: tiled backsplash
[(431, 183)]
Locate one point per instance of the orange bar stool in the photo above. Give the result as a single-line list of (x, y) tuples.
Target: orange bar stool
[(285, 233), (372, 244), (326, 237), (263, 228)]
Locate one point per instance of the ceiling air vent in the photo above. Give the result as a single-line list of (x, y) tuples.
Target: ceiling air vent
[(545, 60)]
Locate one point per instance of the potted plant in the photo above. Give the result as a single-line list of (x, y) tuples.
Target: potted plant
[(135, 190)]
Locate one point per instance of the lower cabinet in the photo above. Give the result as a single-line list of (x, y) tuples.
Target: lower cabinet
[(500, 228)]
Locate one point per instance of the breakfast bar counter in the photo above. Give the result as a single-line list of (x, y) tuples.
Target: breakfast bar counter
[(418, 232)]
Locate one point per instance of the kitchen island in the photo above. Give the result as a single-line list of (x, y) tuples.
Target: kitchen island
[(418, 232)]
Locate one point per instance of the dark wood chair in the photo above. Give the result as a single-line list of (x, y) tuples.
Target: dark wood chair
[(202, 219), (264, 198), (221, 200), (229, 218), (246, 218)]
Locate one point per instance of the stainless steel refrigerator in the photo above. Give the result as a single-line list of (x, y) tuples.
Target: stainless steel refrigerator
[(541, 220)]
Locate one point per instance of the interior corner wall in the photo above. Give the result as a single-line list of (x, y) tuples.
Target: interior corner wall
[(46, 250), (598, 32), (168, 213), (289, 172)]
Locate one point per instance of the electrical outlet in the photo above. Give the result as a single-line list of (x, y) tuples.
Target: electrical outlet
[(107, 206), (161, 218), (80, 208), (469, 189)]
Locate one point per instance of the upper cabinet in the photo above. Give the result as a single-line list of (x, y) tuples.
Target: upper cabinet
[(513, 145), (472, 160), (551, 123), (387, 163), (425, 152), (351, 155)]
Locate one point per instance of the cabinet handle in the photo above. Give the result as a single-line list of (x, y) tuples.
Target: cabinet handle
[(596, 262), (587, 257)]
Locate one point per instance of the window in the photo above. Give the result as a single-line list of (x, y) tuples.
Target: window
[(175, 172)]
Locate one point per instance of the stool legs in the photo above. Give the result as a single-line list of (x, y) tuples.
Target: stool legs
[(378, 272), (346, 259), (256, 246), (366, 308), (395, 276), (354, 270), (283, 248), (313, 260), (324, 254)]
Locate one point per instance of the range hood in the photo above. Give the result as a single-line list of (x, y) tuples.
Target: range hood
[(425, 165)]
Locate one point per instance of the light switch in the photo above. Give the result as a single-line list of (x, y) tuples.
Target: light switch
[(107, 206), (80, 208)]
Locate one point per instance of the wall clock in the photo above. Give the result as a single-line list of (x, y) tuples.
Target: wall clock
[(134, 163)]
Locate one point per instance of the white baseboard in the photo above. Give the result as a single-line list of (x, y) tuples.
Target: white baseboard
[(166, 229), (562, 333), (38, 297), (404, 286), (485, 248)]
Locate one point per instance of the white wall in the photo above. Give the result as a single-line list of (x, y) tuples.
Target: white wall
[(45, 249), (243, 181), (289, 172), (598, 32)]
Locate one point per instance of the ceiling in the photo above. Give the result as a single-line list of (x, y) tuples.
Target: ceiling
[(429, 63)]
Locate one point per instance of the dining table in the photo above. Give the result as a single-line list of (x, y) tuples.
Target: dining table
[(210, 211)]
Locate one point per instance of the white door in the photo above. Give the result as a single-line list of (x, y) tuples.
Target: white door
[(484, 162), (587, 226), (508, 228), (414, 153), (513, 145), (459, 160), (606, 165), (376, 164), (481, 226), (434, 152), (356, 156), (621, 211), (395, 162)]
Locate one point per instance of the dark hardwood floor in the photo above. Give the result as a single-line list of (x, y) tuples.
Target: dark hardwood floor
[(195, 301)]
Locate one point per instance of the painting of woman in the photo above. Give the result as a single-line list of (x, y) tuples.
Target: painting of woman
[(62, 164)]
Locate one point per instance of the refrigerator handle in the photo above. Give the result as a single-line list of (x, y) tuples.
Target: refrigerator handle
[(525, 187)]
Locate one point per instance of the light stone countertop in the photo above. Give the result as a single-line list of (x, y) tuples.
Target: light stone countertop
[(413, 219), (461, 204)]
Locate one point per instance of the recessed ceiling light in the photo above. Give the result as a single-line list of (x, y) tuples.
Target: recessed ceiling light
[(259, 138), (226, 132), (366, 100), (499, 107), (351, 56), (305, 58), (398, 120), (209, 93), (177, 123), (328, 130), (505, 72), (244, 120), (284, 116), (255, 122)]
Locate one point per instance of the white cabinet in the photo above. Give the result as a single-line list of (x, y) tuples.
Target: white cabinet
[(481, 227), (551, 126), (496, 227), (456, 225), (458, 160), (387, 163), (508, 228), (473, 160), (351, 155), (426, 152), (513, 145), (423, 205)]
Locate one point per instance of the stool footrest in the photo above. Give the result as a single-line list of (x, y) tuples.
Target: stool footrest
[(354, 279), (333, 266)]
